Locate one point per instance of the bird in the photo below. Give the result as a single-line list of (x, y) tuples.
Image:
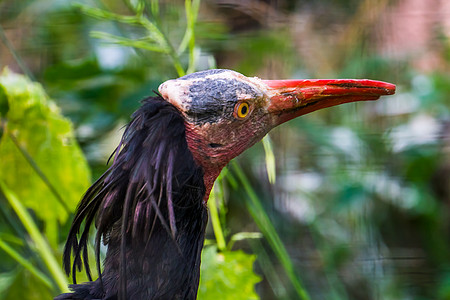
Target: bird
[(149, 207)]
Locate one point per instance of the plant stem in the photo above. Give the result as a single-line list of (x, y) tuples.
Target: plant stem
[(27, 265), (192, 7), (38, 239), (215, 220)]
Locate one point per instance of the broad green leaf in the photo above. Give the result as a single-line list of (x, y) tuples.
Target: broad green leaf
[(227, 275), (40, 160)]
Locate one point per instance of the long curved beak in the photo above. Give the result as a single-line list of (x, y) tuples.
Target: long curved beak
[(289, 99)]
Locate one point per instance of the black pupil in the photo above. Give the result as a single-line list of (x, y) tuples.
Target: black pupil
[(243, 109)]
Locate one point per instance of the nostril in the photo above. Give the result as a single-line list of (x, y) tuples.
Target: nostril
[(214, 145)]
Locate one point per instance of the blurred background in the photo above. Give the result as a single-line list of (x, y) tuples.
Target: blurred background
[(361, 196)]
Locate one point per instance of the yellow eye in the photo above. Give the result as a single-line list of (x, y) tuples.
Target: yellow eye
[(242, 109)]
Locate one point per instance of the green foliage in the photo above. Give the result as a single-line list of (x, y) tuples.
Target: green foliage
[(351, 212), (154, 39), (41, 160), (227, 275), (225, 272), (42, 169)]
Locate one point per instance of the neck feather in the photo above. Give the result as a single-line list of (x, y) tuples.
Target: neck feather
[(149, 212)]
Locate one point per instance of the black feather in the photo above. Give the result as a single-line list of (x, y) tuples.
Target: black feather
[(148, 209)]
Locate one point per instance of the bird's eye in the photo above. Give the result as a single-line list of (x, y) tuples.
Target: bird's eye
[(241, 110)]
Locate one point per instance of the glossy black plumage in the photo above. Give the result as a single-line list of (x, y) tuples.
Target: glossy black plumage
[(148, 209)]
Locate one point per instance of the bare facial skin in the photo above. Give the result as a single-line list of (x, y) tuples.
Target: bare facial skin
[(226, 112)]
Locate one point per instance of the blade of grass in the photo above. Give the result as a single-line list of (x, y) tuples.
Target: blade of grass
[(270, 159), (221, 203), (164, 41), (11, 239), (269, 270), (24, 262), (138, 20), (11, 221), (265, 225), (218, 232), (42, 247), (141, 44), (154, 33), (191, 8), (187, 36), (102, 14), (154, 7)]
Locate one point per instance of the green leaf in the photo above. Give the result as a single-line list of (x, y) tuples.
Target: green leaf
[(142, 44), (106, 15), (227, 275), (138, 20), (41, 161)]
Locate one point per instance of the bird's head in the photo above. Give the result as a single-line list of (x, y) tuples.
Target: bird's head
[(226, 112)]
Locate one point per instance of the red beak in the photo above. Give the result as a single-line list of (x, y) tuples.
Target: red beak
[(292, 98)]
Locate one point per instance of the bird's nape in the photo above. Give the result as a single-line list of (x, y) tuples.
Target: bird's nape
[(149, 207)]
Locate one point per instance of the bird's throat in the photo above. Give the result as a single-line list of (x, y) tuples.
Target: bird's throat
[(209, 178), (206, 157)]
